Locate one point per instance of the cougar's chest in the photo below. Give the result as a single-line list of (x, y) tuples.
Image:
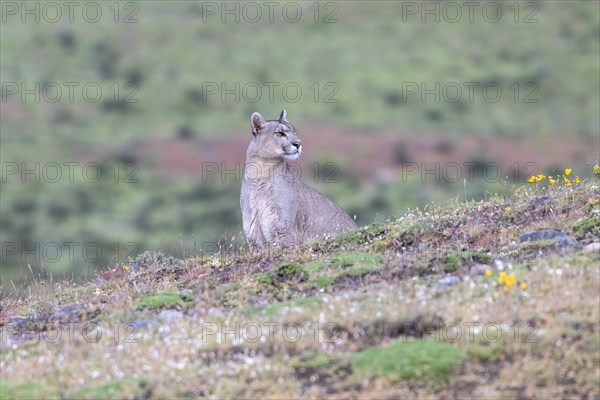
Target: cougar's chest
[(261, 209), (265, 201)]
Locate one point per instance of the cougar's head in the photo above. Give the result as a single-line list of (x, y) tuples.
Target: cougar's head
[(274, 138)]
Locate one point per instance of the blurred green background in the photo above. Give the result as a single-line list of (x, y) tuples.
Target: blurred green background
[(132, 118)]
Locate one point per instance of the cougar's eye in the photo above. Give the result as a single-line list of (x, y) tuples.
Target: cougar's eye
[(280, 134)]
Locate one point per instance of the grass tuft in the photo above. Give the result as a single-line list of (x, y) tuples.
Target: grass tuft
[(403, 360), (169, 299)]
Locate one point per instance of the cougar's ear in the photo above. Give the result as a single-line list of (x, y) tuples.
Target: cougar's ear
[(282, 116), (257, 122)]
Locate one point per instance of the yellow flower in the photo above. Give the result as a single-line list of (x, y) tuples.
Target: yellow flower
[(523, 286), (507, 208), (488, 272), (518, 191), (531, 179), (596, 168), (510, 280), (567, 181), (552, 181), (577, 181), (568, 171), (501, 277), (126, 268), (505, 288), (540, 177), (385, 243)]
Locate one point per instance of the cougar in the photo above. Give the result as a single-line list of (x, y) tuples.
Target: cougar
[(279, 209)]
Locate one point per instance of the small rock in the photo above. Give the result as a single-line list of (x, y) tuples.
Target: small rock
[(301, 277), (216, 312), (16, 320), (479, 269), (142, 323), (592, 248), (70, 309), (548, 234), (170, 315), (449, 280)]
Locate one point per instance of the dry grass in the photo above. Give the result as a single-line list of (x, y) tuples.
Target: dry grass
[(291, 325)]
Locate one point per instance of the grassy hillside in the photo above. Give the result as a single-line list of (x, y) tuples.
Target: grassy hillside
[(368, 51), (468, 300), (353, 70)]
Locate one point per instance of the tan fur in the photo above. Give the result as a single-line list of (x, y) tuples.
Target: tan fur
[(277, 207)]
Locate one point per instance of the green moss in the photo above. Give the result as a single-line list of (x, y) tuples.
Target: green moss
[(356, 264), (457, 260), (486, 353), (351, 259), (166, 300), (344, 264), (589, 227), (9, 390), (477, 256), (453, 262), (312, 362), (411, 235), (322, 282), (289, 270), (374, 230), (350, 239), (358, 271), (323, 367), (413, 359), (423, 268), (284, 272), (264, 278), (314, 265), (92, 392)]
